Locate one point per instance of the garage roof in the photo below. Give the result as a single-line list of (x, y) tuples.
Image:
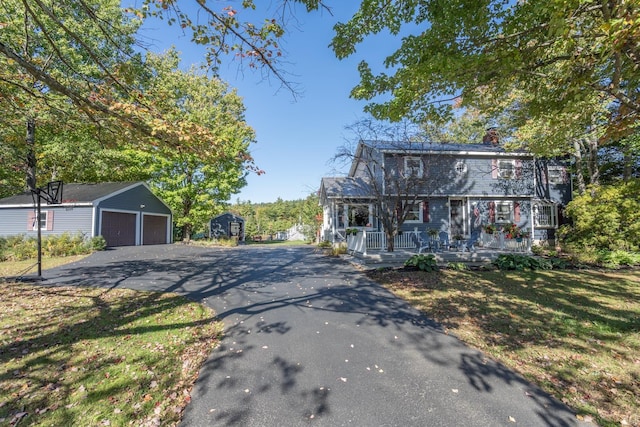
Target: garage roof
[(75, 193)]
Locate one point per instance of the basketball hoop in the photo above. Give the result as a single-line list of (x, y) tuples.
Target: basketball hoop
[(53, 192)]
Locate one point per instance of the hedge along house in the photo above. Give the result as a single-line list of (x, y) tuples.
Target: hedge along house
[(124, 213), (456, 189), (227, 225)]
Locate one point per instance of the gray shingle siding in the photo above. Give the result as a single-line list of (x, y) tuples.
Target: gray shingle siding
[(441, 178), (65, 220), (556, 192)]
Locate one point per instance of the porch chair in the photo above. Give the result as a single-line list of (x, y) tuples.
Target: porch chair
[(445, 243), (422, 241)]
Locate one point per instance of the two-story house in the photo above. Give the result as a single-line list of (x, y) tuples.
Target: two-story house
[(453, 188)]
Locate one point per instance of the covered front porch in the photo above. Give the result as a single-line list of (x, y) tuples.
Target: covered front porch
[(371, 247)]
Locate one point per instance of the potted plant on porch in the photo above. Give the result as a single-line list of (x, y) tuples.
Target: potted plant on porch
[(510, 231), (490, 228)]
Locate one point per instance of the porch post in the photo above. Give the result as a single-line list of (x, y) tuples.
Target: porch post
[(364, 243), (334, 220)]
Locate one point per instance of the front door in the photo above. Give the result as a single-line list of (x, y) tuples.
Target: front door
[(456, 215)]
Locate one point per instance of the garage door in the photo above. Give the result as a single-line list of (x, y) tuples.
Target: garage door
[(154, 230), (119, 229)]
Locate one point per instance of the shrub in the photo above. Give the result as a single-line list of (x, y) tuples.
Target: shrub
[(21, 247), (325, 244), (226, 241), (614, 259), (521, 262), (341, 249), (98, 243), (424, 262), (457, 266), (605, 217)]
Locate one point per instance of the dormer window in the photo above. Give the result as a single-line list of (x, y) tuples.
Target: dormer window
[(413, 167)]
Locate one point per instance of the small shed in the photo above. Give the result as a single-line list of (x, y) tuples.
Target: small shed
[(228, 225), (124, 213)]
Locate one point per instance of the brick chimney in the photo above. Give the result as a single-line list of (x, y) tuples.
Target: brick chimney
[(492, 137)]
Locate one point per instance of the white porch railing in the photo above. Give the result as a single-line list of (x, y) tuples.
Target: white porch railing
[(499, 241), (366, 240), (377, 240)]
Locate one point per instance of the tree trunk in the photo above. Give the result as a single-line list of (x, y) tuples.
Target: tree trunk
[(186, 232), (577, 155), (390, 240)]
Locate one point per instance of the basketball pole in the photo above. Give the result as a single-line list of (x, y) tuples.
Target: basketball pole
[(38, 214), (53, 196)]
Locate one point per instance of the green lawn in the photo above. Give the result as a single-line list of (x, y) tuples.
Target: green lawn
[(17, 268), (77, 356), (576, 333)]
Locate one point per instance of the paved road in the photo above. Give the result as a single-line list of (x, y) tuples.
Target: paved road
[(310, 341)]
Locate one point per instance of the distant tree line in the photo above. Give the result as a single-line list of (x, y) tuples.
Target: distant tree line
[(267, 219)]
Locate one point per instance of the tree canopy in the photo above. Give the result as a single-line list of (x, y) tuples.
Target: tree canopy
[(566, 61), (103, 110), (266, 219)]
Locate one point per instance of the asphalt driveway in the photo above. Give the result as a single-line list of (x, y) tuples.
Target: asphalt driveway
[(309, 340)]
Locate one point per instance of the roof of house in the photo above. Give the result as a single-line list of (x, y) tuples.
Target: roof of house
[(75, 193), (426, 146), (345, 186), (227, 213)]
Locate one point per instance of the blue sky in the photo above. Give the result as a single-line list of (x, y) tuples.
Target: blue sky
[(296, 138)]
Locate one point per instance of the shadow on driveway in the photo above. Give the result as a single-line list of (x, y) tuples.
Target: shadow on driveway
[(309, 339)]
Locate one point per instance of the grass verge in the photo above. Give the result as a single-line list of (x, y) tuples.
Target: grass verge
[(79, 356), (16, 268), (574, 333)]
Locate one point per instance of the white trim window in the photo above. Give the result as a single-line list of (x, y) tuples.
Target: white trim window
[(413, 167), (545, 215), (506, 169), (359, 215), (414, 212), (556, 175), (504, 212), (46, 221)]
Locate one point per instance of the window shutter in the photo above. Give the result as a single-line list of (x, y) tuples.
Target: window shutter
[(492, 212), (565, 176), (494, 168), (49, 220), (516, 212), (544, 174), (31, 221), (425, 211), (518, 168)]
